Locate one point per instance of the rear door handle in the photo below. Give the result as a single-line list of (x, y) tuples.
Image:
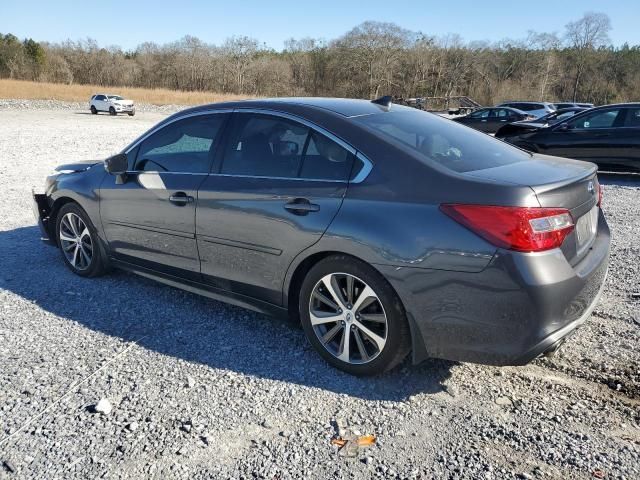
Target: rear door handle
[(301, 206), (180, 199)]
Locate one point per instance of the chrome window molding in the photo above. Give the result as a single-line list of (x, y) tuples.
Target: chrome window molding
[(360, 176)]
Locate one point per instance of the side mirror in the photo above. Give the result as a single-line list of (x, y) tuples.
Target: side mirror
[(117, 165)]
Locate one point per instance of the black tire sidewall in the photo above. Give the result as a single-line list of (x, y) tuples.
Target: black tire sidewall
[(112, 111), (398, 335), (94, 110), (96, 267)]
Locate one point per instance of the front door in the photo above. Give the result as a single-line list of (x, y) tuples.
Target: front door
[(149, 220), (277, 187)]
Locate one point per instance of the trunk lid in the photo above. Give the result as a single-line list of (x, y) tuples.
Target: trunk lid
[(558, 183)]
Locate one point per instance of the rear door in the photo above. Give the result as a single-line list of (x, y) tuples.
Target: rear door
[(277, 186), (149, 220)]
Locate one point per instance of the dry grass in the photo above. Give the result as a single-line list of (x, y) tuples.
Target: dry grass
[(20, 89)]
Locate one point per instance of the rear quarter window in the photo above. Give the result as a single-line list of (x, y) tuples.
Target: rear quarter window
[(441, 141)]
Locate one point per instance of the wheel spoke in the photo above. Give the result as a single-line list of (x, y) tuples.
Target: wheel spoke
[(324, 318), (374, 337), (326, 300), (364, 356), (85, 256), (350, 289), (85, 233), (66, 238), (327, 337), (328, 283), (74, 259), (72, 223), (365, 298), (344, 345), (69, 246), (373, 317)]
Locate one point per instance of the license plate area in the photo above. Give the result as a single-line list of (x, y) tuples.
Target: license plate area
[(586, 228)]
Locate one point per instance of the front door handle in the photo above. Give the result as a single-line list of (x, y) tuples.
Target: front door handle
[(180, 199), (301, 206)]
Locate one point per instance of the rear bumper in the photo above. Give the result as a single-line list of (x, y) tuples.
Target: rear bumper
[(41, 211), (517, 308)]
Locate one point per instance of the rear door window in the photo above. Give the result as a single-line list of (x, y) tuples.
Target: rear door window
[(263, 145), (633, 118)]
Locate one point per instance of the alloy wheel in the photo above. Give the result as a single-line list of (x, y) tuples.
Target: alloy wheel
[(75, 241), (348, 318)]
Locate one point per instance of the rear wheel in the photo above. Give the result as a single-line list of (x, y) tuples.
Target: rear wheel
[(352, 316), (112, 111), (93, 110), (131, 114), (78, 241)]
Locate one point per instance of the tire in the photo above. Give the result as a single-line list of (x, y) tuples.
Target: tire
[(377, 326), (83, 253), (131, 114), (93, 110), (112, 111)]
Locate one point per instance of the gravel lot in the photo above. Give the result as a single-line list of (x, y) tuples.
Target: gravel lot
[(200, 389)]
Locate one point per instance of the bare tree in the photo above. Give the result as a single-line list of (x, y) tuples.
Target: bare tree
[(584, 36)]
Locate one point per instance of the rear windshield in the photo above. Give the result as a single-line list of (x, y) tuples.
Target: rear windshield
[(436, 139)]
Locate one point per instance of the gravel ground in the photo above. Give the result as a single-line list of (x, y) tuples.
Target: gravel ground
[(193, 388)]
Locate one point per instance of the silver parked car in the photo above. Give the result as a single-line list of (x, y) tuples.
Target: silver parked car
[(538, 109)]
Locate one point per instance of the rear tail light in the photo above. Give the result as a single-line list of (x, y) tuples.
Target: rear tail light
[(524, 229)]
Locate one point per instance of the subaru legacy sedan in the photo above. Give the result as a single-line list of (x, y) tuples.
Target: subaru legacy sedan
[(385, 230)]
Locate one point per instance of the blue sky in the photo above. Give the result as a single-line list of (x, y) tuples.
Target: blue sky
[(128, 23)]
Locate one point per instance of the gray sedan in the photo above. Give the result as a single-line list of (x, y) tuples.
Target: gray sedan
[(383, 229)]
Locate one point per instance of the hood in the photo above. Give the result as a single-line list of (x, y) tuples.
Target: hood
[(77, 167)]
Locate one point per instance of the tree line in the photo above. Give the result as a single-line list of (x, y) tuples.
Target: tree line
[(372, 59)]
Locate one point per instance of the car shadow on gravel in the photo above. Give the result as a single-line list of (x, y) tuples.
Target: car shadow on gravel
[(189, 327)]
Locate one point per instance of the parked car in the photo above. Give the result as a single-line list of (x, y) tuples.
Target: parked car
[(608, 136), (113, 104), (550, 119), (537, 109), (560, 105), (489, 120), (383, 228)]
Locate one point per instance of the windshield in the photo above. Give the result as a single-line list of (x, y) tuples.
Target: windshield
[(115, 97), (436, 139)]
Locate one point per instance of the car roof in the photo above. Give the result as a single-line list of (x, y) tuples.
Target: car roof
[(346, 107)]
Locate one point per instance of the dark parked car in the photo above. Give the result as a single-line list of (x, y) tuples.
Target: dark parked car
[(560, 105), (489, 120), (550, 119), (608, 136), (384, 229)]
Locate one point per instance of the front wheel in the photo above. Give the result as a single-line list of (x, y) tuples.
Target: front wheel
[(112, 111), (79, 242), (353, 317)]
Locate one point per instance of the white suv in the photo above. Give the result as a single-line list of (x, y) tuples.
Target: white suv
[(113, 104)]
